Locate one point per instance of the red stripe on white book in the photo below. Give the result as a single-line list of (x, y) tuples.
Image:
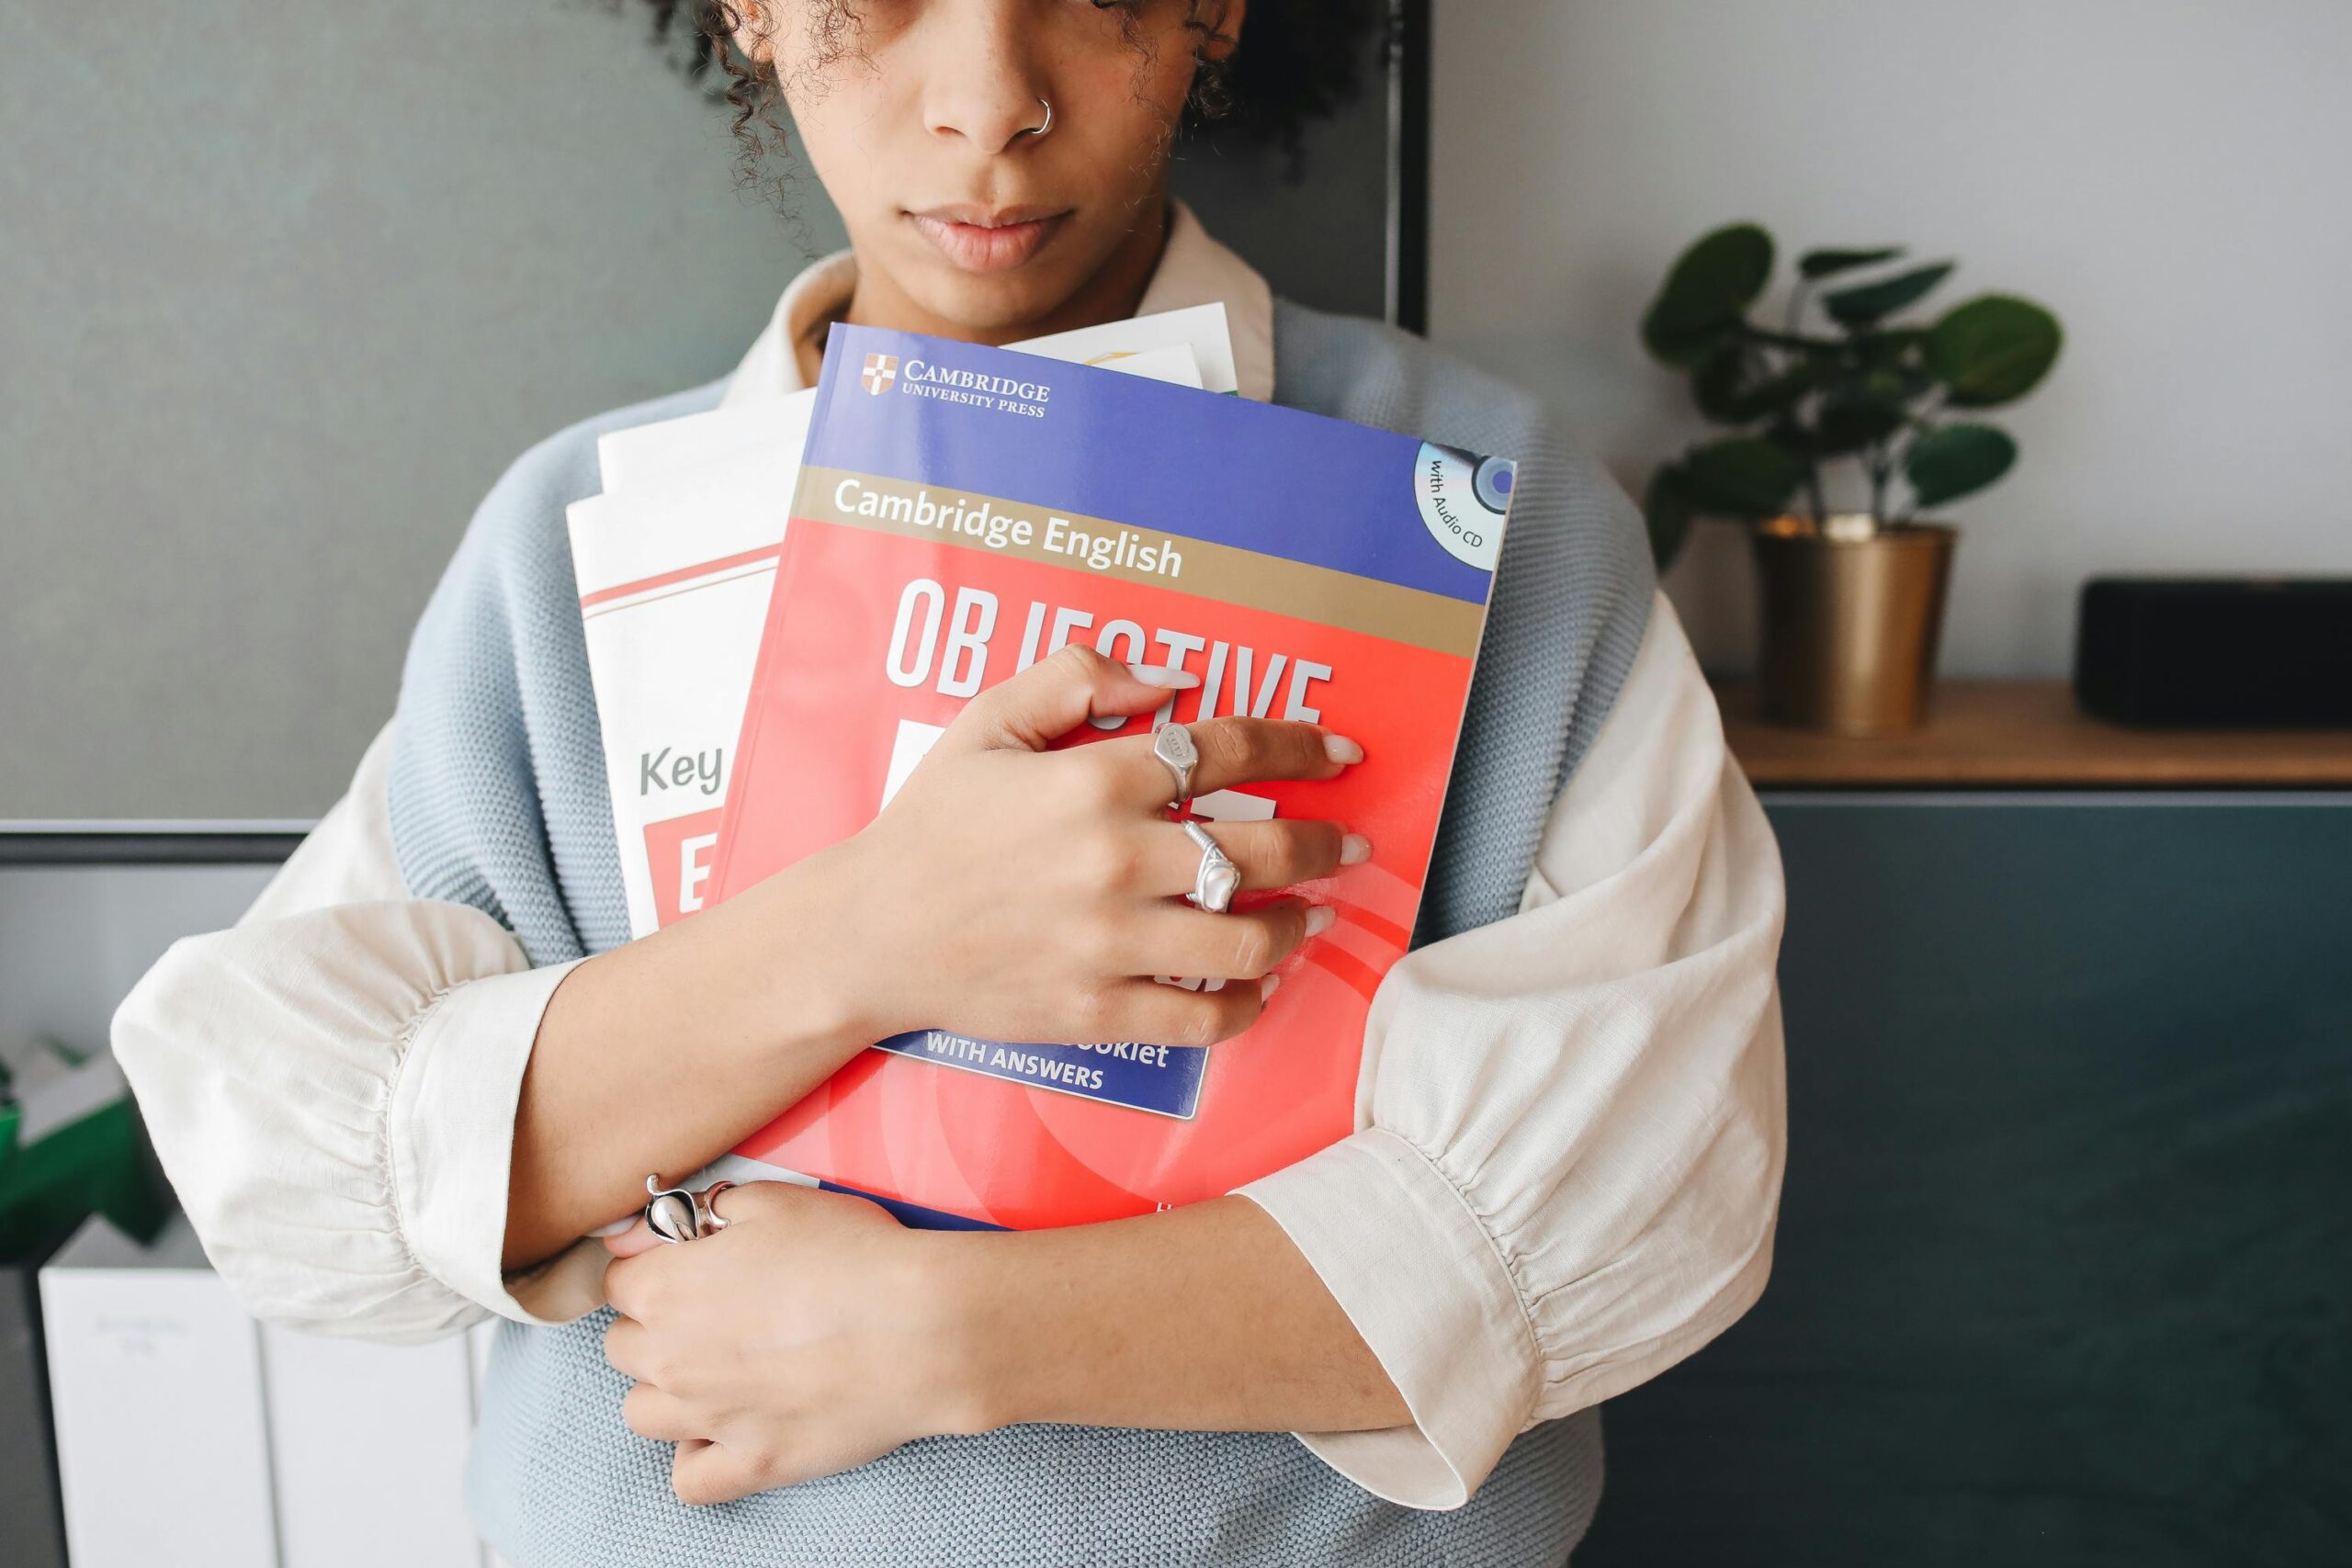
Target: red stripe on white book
[(664, 579)]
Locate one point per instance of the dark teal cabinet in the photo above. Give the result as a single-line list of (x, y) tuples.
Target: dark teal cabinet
[(2064, 1266)]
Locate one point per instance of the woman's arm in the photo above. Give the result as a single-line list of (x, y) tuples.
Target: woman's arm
[(333, 1084), (1567, 1183), (658, 1056), (383, 1120), (661, 1056), (326, 1081)]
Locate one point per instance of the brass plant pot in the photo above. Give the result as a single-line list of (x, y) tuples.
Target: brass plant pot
[(1850, 622)]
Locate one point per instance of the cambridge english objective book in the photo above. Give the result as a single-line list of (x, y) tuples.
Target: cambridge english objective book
[(960, 513)]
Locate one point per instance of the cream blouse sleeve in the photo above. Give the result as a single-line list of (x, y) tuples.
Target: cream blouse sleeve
[(331, 1086), (1571, 1122)]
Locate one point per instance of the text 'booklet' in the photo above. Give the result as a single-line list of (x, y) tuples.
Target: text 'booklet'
[(962, 511)]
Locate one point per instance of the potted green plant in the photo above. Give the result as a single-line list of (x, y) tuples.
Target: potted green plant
[(1851, 426)]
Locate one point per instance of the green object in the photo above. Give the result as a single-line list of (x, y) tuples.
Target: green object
[(1830, 264), (1954, 461), (1866, 303), (1992, 351), (1863, 390), (1708, 292), (98, 1164), (1746, 473)]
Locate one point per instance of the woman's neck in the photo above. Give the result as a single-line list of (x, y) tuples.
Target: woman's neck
[(1111, 295)]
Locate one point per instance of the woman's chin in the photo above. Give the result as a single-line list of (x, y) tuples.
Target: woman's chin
[(994, 303)]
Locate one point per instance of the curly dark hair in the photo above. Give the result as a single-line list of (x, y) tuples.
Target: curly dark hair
[(1299, 61)]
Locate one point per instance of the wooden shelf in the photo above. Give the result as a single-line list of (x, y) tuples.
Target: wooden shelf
[(2030, 735)]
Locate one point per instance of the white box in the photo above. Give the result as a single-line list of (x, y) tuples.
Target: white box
[(189, 1434), (155, 1386)]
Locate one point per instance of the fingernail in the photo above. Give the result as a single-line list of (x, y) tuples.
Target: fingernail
[(1339, 748), (616, 1227), (1320, 919), (1354, 849), (1164, 677), (1267, 987)]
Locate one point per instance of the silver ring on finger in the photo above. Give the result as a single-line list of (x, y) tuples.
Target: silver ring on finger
[(672, 1214), (1172, 744), (706, 1211), (1214, 883)]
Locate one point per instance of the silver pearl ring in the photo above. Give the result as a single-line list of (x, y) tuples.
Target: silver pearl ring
[(1217, 879), (1172, 744)]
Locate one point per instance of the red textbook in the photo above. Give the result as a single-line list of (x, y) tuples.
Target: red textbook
[(961, 512)]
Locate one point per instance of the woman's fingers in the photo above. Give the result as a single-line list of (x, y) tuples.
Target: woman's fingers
[(1056, 695), (1175, 938), (638, 1237), (1236, 750), (654, 1413), (1233, 751), (713, 1473), (626, 1342), (1151, 1013), (1269, 854)]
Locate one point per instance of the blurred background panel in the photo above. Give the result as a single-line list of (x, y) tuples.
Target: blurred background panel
[(2162, 173), (2064, 1267), (282, 291)]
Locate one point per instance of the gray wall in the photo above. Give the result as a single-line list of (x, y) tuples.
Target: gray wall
[(293, 287), (75, 939), (281, 293), (2167, 174)]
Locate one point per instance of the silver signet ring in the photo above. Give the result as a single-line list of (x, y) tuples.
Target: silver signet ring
[(670, 1213), (1172, 744), (1215, 882)]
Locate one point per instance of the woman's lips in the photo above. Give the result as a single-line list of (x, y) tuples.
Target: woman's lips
[(986, 246)]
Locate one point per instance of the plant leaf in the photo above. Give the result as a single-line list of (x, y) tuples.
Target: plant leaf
[(1747, 475), (1886, 350), (1734, 387), (1993, 350), (1720, 382), (1954, 460), (1711, 283), (1869, 303), (1830, 264), (1668, 511), (1850, 422)]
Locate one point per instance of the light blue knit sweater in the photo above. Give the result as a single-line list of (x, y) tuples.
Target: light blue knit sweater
[(498, 800)]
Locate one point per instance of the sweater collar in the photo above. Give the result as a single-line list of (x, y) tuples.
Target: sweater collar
[(1194, 269)]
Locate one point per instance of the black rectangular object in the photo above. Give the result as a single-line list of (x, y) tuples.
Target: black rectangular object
[(2219, 652)]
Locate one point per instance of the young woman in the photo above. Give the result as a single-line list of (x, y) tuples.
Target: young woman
[(404, 1091)]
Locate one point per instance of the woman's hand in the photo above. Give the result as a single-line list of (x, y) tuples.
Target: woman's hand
[(803, 1339), (813, 1334), (1010, 892)]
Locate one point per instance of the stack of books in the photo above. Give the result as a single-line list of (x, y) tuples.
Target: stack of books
[(787, 602)]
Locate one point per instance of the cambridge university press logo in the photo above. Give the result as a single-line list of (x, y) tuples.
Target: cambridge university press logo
[(881, 370)]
